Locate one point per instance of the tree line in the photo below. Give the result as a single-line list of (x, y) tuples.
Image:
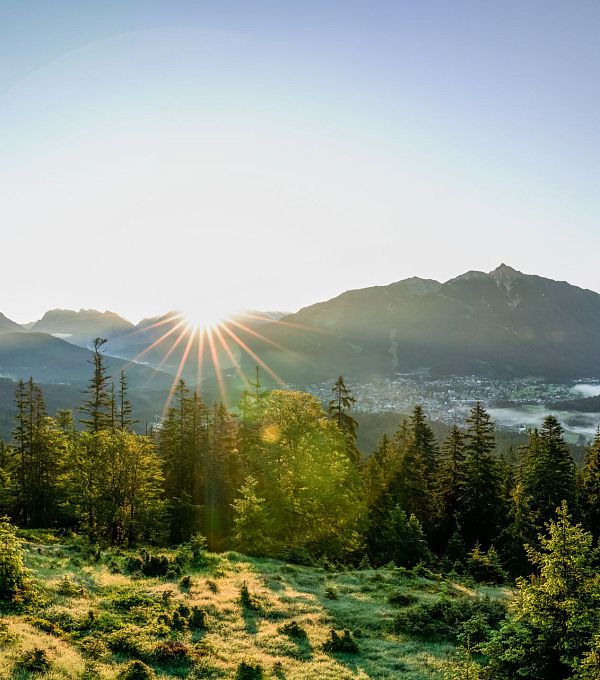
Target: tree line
[(283, 477)]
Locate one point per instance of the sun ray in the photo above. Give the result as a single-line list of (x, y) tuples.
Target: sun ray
[(157, 342), (255, 356), (289, 324), (180, 368), (258, 335), (215, 360), (227, 349), (199, 367)]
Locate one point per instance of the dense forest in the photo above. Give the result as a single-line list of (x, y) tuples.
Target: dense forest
[(282, 477)]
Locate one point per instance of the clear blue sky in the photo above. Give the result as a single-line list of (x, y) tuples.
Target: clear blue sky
[(211, 155)]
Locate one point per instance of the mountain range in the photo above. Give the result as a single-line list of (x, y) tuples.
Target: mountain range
[(502, 323)]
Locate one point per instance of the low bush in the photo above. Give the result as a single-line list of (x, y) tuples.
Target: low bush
[(247, 600), (343, 643), (293, 629), (35, 660), (197, 619), (153, 564), (172, 653), (445, 618), (400, 598), (485, 567), (249, 671), (137, 670)]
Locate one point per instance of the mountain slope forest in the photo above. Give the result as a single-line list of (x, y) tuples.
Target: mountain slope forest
[(118, 559)]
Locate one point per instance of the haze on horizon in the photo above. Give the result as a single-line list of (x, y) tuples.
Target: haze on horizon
[(268, 155)]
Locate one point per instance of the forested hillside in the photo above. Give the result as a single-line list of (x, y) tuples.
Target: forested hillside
[(282, 478)]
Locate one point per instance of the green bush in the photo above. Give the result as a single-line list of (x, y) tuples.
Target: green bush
[(402, 599), (293, 629), (94, 647), (249, 671), (485, 567), (247, 600), (34, 661), (341, 644), (150, 564), (13, 574), (197, 620), (172, 653), (136, 670), (445, 618)]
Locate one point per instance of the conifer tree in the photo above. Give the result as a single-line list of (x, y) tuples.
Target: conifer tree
[(590, 486), (450, 485), (483, 506), (549, 472), (556, 612), (97, 407), (125, 418), (339, 411)]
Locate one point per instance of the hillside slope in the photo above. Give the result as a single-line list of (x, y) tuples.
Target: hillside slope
[(96, 616)]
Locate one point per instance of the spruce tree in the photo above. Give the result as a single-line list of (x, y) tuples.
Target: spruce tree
[(97, 407), (339, 411), (483, 505), (590, 486), (549, 472), (450, 485)]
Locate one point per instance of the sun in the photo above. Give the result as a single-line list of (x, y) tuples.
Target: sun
[(202, 318)]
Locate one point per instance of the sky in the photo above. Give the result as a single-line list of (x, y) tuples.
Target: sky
[(212, 156)]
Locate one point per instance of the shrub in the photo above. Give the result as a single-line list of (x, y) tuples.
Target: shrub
[(331, 593), (249, 671), (46, 626), (341, 644), (34, 661), (172, 653), (127, 640), (485, 567), (293, 629), (177, 621), (93, 647), (212, 586), (247, 600), (402, 599), (444, 618), (70, 588), (185, 583), (197, 620), (137, 670), (150, 564), (13, 574)]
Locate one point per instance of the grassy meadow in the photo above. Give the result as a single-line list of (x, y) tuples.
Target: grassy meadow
[(222, 616)]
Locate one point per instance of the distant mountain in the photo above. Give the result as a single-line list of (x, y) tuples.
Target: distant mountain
[(80, 327), (51, 360), (498, 324), (9, 326)]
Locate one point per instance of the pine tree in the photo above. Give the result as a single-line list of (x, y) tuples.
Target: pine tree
[(125, 418), (549, 472), (590, 487), (339, 411), (556, 612), (98, 405), (483, 505), (450, 485)]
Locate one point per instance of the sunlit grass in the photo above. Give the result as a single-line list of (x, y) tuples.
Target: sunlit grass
[(73, 585)]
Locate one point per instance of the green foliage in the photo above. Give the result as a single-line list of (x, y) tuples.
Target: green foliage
[(447, 619), (343, 643), (302, 492), (13, 574), (396, 537), (249, 671), (137, 670), (35, 660), (485, 566), (247, 600), (293, 629), (557, 612)]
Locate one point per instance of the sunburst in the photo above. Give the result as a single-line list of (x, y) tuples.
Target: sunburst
[(205, 336)]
